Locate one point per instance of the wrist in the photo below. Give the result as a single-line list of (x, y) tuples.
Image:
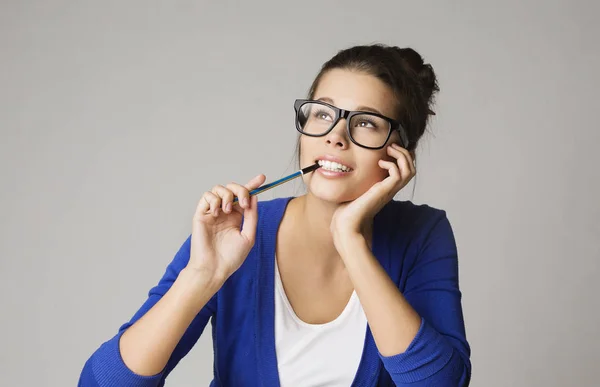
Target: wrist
[(348, 241), (200, 281)]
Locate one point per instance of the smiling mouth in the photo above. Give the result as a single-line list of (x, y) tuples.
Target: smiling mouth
[(333, 166)]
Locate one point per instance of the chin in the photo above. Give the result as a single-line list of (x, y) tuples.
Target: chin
[(332, 195)]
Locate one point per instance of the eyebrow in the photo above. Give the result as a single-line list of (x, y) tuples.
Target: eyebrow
[(359, 108)]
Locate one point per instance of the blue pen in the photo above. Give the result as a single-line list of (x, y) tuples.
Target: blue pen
[(294, 175)]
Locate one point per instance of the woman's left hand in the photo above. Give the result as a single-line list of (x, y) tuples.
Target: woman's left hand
[(351, 219)]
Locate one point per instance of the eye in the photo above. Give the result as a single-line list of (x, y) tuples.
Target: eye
[(322, 115), (364, 123)]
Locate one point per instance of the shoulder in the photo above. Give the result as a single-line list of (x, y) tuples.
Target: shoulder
[(401, 216), (413, 228), (270, 214), (413, 235), (273, 207)]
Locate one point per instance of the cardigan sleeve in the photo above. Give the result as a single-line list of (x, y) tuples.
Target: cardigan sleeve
[(439, 354), (105, 367)]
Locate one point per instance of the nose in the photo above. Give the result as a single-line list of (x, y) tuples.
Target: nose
[(338, 137)]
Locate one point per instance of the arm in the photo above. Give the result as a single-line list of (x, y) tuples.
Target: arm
[(160, 334), (170, 322), (419, 333)]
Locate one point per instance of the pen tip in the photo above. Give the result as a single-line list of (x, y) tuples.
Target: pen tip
[(311, 168)]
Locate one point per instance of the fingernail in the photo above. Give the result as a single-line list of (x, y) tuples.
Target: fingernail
[(228, 207), (244, 202)]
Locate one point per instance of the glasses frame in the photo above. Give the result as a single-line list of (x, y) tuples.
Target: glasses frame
[(347, 115)]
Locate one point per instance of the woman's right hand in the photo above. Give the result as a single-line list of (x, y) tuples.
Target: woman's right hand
[(219, 245)]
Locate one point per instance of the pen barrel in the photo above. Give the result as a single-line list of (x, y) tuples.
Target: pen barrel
[(274, 184)]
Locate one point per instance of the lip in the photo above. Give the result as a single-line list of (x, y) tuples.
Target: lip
[(335, 159), (332, 174)]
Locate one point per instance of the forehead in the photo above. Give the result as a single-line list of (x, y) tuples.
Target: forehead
[(349, 89)]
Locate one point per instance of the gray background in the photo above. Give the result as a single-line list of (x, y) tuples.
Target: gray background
[(116, 116)]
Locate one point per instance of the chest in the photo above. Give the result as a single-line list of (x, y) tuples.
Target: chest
[(316, 293), (325, 353)]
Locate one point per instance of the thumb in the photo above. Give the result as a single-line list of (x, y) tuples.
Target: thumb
[(250, 220)]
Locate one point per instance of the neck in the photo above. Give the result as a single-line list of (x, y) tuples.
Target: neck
[(313, 216)]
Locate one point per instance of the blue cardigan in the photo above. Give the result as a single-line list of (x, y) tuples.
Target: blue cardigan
[(413, 243)]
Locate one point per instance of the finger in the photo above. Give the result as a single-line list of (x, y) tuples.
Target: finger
[(202, 207), (215, 203), (413, 162), (256, 182), (410, 161), (392, 169), (403, 159), (250, 220), (242, 194), (226, 197), (395, 178)]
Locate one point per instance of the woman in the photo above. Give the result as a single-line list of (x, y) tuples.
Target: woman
[(341, 286)]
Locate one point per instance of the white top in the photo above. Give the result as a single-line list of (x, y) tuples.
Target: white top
[(317, 354)]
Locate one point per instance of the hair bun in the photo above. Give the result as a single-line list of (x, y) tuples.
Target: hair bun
[(423, 71)]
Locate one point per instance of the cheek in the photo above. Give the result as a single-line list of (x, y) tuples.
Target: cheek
[(379, 173), (302, 151), (374, 173)]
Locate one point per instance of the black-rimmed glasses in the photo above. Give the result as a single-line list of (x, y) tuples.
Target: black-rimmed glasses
[(365, 129)]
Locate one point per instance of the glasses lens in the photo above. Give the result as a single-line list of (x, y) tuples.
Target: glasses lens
[(315, 119), (369, 130)]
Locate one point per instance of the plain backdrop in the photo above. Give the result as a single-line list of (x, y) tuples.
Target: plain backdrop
[(115, 116)]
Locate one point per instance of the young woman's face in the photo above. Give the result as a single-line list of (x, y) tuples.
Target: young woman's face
[(349, 90)]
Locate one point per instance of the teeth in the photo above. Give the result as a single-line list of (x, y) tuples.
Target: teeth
[(333, 166)]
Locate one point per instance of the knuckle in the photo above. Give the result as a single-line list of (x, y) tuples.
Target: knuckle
[(238, 189)]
